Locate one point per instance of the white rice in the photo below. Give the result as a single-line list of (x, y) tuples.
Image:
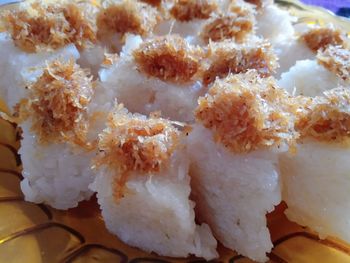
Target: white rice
[(143, 94), (283, 37), (316, 188), (289, 51), (275, 24), (92, 58), (156, 214), (54, 174), (234, 192), (308, 78), (18, 67)]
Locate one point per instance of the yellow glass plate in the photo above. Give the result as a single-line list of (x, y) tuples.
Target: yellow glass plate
[(37, 233)]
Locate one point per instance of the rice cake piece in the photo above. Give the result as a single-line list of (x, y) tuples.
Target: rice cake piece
[(143, 187), (316, 177), (245, 123), (58, 135)]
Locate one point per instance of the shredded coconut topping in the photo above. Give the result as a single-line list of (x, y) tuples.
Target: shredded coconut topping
[(127, 16), (235, 24), (186, 10), (327, 117), (320, 38), (228, 58), (336, 60), (155, 3), (133, 143), (57, 103), (169, 58), (247, 112), (42, 27)]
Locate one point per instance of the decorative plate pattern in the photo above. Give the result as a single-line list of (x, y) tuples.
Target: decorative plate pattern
[(37, 233)]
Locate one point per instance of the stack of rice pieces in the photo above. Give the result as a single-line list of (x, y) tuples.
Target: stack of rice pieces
[(245, 123), (316, 177), (166, 72), (329, 67), (53, 99), (143, 187)]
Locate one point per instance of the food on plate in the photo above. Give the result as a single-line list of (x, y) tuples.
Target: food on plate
[(189, 120)]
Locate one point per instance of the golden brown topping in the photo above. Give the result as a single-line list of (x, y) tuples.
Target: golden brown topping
[(133, 143), (49, 27), (58, 102), (155, 3), (186, 10), (336, 60), (168, 58), (236, 25), (127, 16), (247, 112), (226, 58), (327, 117), (320, 38)]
